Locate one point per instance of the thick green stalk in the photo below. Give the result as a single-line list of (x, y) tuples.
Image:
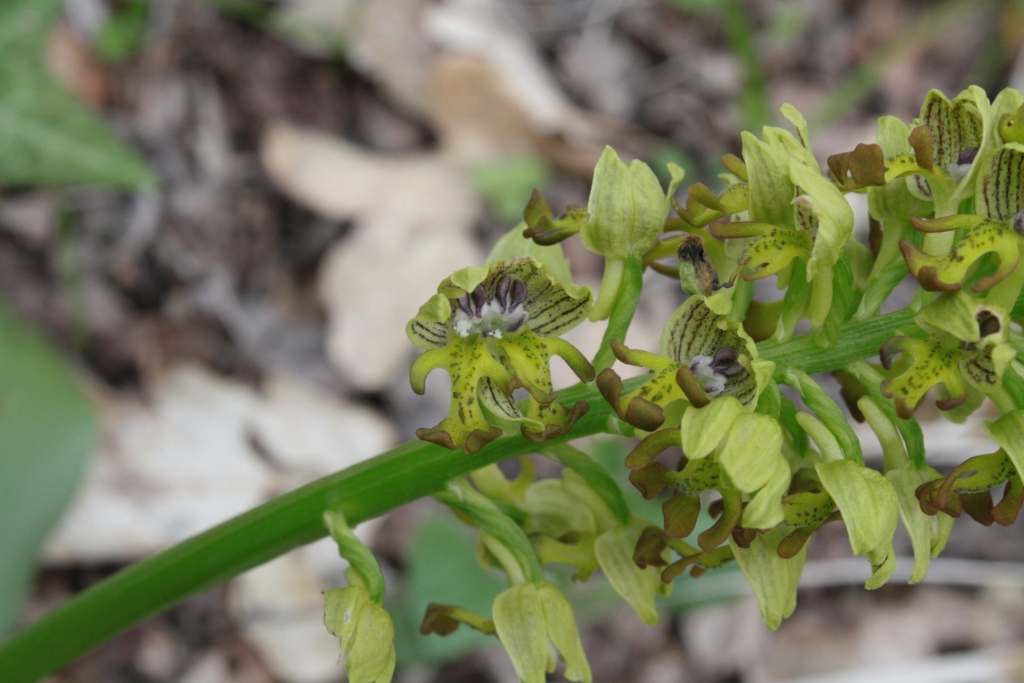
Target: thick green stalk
[(361, 492), (367, 490)]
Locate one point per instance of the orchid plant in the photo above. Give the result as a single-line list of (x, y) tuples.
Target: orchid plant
[(766, 450)]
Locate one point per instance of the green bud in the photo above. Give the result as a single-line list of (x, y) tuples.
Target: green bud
[(528, 617), (365, 633), (870, 508), (928, 534), (555, 512), (627, 208), (614, 549), (774, 579)]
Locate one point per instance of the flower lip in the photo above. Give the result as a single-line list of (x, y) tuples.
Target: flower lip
[(959, 168), (712, 372), (492, 315)]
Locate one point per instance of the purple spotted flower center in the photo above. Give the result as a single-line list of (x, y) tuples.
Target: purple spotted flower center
[(712, 372), (492, 315)]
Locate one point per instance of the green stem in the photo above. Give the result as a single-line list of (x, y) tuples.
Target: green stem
[(369, 489), (623, 308)]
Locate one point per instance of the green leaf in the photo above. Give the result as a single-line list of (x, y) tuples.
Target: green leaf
[(47, 428), (46, 136), (773, 579)]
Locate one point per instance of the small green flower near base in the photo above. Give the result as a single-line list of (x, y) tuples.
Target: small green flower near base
[(494, 329), (535, 624), (365, 632)]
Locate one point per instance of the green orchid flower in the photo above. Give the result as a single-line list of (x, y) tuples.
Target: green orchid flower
[(794, 212), (969, 349), (365, 632), (703, 356), (494, 329), (535, 624), (355, 614)]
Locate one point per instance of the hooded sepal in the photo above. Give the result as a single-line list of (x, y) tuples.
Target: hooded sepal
[(870, 508), (717, 352), (773, 579), (999, 192), (627, 208), (365, 632)]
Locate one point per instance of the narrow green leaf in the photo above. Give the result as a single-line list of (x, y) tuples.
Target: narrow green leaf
[(46, 136), (47, 428)]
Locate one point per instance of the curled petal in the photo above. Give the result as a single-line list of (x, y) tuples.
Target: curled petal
[(936, 361), (946, 273)]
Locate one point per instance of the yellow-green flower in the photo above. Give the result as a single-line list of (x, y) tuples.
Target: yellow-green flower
[(703, 355), (494, 329)]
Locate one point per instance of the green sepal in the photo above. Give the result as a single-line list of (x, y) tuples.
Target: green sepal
[(704, 428), (773, 579), (355, 552), (946, 272), (770, 189), (365, 633), (833, 215), (870, 508), (614, 549), (627, 208), (526, 617), (955, 125), (751, 452), (928, 534), (429, 329)]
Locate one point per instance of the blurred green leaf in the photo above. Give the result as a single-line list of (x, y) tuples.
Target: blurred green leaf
[(122, 36), (47, 428), (506, 185), (47, 137), (442, 568)]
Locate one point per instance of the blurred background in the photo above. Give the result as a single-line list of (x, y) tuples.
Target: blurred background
[(217, 216)]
